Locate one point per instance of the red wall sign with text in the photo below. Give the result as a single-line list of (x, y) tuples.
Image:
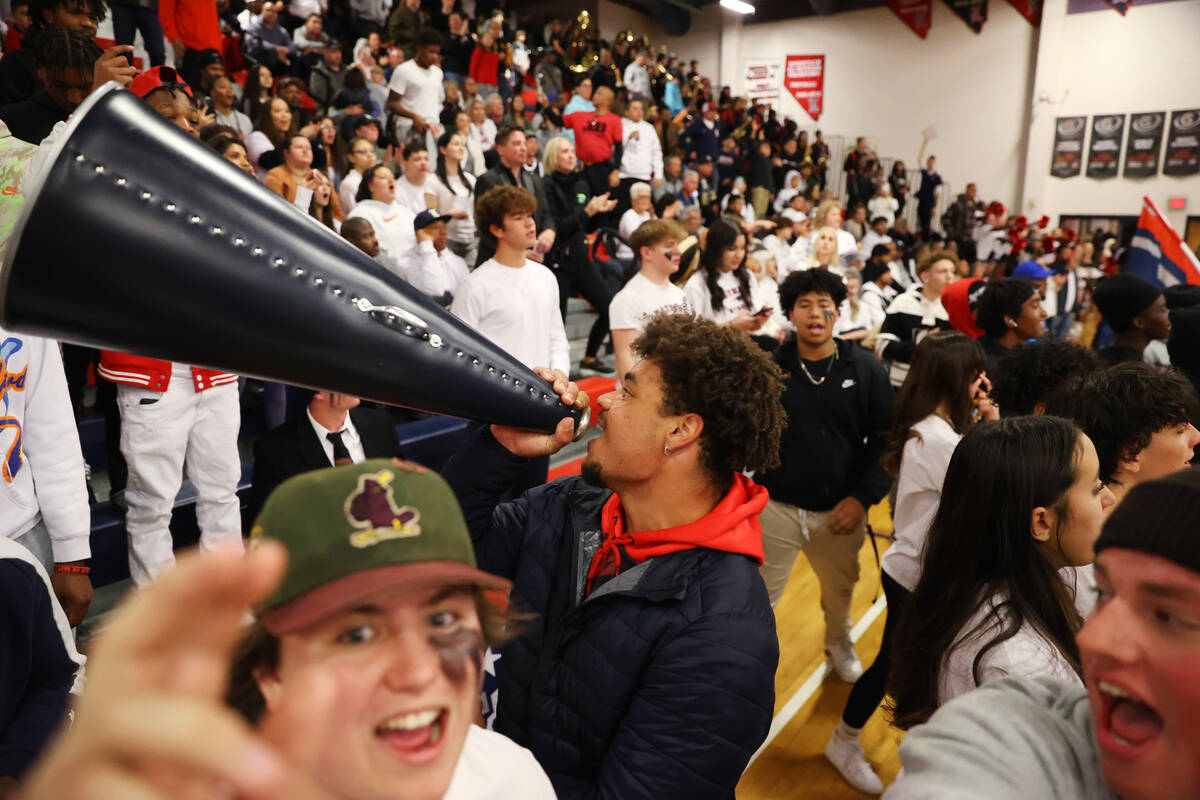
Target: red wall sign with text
[(804, 77)]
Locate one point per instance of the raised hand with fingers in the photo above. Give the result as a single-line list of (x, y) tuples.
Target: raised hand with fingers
[(113, 66), (151, 723)]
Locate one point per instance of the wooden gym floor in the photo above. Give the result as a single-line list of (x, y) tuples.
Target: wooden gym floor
[(793, 763)]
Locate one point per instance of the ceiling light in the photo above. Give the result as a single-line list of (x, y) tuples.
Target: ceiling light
[(738, 6)]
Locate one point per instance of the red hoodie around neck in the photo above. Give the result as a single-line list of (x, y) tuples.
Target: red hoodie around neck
[(732, 526)]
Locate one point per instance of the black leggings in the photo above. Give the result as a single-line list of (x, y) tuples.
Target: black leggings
[(869, 690), (587, 279)]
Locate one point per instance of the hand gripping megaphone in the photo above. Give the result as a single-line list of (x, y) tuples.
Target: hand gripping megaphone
[(140, 239)]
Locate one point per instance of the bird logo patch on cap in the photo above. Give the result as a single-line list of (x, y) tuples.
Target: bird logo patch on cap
[(372, 508)]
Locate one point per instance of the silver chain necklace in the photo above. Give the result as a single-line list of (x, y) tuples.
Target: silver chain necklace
[(808, 374)]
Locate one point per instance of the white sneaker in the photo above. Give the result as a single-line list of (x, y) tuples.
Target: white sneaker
[(845, 662), (847, 756)]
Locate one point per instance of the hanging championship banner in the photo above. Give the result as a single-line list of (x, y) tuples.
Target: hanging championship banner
[(804, 77), (1183, 143), (1104, 152), (1029, 9), (972, 12), (1067, 160), (915, 14), (761, 80), (1145, 143), (1120, 5)]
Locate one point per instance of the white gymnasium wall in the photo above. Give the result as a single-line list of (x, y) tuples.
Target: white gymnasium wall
[(703, 40), (1102, 63), (884, 82)]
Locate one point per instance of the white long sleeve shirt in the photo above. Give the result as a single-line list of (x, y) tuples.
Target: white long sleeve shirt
[(435, 273), (637, 80), (641, 154), (923, 464), (372, 10), (1026, 655), (393, 225), (42, 475), (517, 308)]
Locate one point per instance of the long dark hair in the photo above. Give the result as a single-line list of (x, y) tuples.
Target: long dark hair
[(943, 367), (265, 124), (722, 236), (364, 188), (253, 104), (467, 179), (979, 548)]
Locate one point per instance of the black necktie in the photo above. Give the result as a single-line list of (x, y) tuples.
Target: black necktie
[(340, 454)]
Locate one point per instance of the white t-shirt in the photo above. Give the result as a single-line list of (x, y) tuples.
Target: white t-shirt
[(845, 242), (1025, 655), (485, 136), (349, 189), (517, 308), (867, 319), (698, 297), (923, 464), (642, 297), (462, 198), (236, 120), (630, 221), (413, 197), (493, 767), (870, 240), (422, 92)]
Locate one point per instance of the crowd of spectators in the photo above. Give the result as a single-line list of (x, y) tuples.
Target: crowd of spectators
[(992, 374)]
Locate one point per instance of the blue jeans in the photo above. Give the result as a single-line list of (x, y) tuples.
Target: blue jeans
[(1059, 326), (127, 20)]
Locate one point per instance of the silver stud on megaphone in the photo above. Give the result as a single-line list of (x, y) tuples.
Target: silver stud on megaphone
[(140, 239)]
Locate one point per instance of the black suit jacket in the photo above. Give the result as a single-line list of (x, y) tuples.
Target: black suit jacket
[(293, 448), (501, 175)]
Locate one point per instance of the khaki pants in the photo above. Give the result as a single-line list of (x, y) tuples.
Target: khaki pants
[(760, 199), (788, 529)]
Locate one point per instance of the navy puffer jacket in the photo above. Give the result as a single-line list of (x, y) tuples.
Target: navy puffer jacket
[(660, 684)]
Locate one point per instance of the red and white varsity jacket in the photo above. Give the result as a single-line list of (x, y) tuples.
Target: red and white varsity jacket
[(151, 373)]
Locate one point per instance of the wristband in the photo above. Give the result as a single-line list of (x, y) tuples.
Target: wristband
[(72, 569)]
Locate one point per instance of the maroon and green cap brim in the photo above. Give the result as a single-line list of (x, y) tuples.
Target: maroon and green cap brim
[(357, 590)]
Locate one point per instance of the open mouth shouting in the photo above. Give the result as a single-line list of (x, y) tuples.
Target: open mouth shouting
[(1128, 726), (415, 736)]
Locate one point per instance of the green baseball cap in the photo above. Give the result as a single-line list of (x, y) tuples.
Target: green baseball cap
[(355, 530)]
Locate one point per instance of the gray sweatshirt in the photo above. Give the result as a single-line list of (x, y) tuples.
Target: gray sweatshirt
[(1012, 738)]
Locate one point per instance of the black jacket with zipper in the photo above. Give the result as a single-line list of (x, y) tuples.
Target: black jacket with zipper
[(659, 684), (836, 431)]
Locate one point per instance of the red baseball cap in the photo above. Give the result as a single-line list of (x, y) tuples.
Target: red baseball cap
[(159, 78)]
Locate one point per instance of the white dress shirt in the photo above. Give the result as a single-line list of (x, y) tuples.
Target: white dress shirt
[(350, 438)]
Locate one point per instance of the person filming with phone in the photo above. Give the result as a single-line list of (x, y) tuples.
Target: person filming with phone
[(725, 291)]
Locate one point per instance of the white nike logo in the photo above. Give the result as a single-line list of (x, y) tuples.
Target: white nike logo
[(846, 384)]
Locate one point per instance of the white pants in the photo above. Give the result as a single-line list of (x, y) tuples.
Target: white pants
[(787, 530), (160, 433)]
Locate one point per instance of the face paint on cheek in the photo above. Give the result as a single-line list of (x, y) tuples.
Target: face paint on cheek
[(459, 652), (828, 316)]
